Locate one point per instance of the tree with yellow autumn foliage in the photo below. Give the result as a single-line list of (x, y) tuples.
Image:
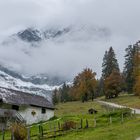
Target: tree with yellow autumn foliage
[(84, 85)]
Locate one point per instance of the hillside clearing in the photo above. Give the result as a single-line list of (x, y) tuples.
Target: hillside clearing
[(77, 108), (126, 100)]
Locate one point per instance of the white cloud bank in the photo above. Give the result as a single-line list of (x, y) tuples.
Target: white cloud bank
[(71, 53)]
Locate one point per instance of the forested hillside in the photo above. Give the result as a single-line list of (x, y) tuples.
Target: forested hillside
[(112, 82)]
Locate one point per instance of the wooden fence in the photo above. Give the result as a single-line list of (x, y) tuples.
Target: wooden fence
[(56, 129)]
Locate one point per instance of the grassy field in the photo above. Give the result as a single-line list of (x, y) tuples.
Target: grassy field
[(127, 100), (77, 108), (130, 130), (75, 111)]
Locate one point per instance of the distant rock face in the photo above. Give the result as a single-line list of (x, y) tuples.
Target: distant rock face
[(35, 35), (39, 84), (30, 35)]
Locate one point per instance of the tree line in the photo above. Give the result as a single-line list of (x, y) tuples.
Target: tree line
[(86, 87)]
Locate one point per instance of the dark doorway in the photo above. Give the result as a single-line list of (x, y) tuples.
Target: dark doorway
[(15, 107)]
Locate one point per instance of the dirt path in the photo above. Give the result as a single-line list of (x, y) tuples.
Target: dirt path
[(137, 111)]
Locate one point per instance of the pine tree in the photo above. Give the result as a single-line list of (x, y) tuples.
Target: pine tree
[(109, 63)]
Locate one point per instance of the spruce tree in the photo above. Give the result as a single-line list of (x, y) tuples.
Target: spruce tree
[(109, 63), (104, 65), (130, 66)]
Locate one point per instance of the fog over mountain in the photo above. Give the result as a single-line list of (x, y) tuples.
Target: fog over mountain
[(61, 37)]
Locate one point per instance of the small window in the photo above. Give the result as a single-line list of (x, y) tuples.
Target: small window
[(43, 110), (15, 107)]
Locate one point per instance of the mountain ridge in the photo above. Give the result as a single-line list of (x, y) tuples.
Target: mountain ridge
[(17, 83)]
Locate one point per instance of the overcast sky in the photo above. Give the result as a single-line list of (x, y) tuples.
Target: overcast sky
[(71, 53)]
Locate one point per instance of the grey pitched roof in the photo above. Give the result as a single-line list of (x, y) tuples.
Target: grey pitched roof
[(10, 96)]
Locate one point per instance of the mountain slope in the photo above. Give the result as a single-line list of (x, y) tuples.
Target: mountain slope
[(71, 33), (8, 81), (36, 35)]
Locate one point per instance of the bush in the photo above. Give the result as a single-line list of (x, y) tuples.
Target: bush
[(69, 125), (19, 131)]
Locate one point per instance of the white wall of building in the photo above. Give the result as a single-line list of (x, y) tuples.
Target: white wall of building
[(30, 118)]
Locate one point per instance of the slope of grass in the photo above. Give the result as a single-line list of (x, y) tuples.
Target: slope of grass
[(130, 130), (77, 108), (127, 100)]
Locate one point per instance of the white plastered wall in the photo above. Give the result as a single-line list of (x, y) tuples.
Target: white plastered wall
[(30, 118)]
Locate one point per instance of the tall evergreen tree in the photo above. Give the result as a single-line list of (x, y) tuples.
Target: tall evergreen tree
[(109, 63), (130, 66)]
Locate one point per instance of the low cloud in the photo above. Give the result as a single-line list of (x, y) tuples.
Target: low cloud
[(96, 25)]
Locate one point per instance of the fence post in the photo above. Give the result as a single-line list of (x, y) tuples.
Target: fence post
[(28, 133), (59, 126), (134, 113), (87, 123), (12, 135), (3, 134), (50, 126), (110, 120), (131, 114), (95, 122), (122, 118), (54, 130), (40, 131), (81, 122)]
